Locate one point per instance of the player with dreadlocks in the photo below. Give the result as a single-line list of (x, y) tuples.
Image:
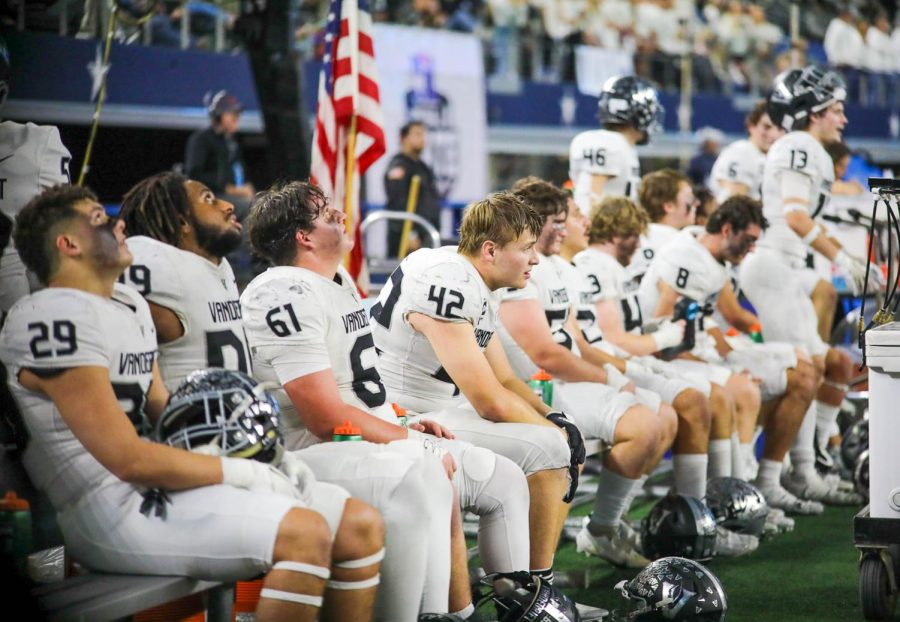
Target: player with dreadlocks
[(179, 234)]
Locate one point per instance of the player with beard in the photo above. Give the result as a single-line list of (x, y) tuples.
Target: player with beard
[(180, 269), (82, 356), (309, 333), (696, 266), (179, 233)]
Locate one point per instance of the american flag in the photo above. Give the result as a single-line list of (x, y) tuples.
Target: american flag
[(348, 86)]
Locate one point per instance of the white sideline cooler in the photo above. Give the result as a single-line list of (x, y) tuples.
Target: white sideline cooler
[(883, 359)]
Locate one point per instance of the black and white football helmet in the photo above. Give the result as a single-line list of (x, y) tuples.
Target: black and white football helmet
[(798, 93), (524, 597), (628, 100), (737, 505), (674, 589), (679, 525), (854, 442), (226, 409)]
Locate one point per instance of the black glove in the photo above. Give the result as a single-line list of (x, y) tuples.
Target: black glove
[(577, 452)]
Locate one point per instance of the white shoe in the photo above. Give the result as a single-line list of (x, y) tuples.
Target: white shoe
[(732, 544), (613, 549), (589, 613), (814, 488), (836, 481), (779, 498), (778, 522), (631, 535)]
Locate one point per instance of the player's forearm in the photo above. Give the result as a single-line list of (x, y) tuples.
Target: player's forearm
[(154, 465), (599, 358), (560, 363), (525, 392), (635, 345), (375, 430), (509, 407), (804, 226)]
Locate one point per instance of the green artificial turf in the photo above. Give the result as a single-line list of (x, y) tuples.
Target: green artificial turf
[(808, 574)]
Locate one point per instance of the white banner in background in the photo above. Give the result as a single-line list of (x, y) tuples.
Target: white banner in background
[(594, 66), (436, 77)]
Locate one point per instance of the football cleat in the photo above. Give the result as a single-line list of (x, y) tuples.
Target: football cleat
[(780, 498), (614, 549)]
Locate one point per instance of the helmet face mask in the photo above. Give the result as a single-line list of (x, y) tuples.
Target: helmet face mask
[(226, 409), (631, 102), (521, 597), (797, 94), (674, 588)]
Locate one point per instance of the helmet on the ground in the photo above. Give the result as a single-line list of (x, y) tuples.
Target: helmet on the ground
[(674, 588), (226, 409), (632, 101), (854, 442), (861, 474), (737, 505), (798, 93), (524, 597), (679, 525)]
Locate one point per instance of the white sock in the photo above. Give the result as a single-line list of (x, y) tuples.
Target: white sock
[(720, 458), (742, 459), (466, 612), (638, 488), (803, 458), (826, 415), (612, 494), (690, 474), (769, 474)]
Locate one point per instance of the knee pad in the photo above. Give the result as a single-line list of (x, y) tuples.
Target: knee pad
[(478, 463)]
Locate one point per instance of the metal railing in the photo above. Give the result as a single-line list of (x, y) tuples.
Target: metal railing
[(386, 266)]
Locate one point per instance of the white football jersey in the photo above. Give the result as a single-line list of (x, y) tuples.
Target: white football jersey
[(203, 295), (800, 152), (610, 280), (686, 266), (56, 329), (584, 296), (32, 159), (441, 284), (651, 243), (740, 162), (300, 323), (547, 285), (608, 153)]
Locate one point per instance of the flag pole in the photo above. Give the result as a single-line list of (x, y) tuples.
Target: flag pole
[(353, 39), (348, 185)]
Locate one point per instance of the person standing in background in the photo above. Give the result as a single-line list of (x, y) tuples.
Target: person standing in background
[(398, 181), (213, 157), (32, 159)]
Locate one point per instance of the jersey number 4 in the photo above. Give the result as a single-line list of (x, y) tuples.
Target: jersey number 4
[(446, 301), (595, 157)]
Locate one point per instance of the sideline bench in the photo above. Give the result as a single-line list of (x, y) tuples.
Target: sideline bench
[(96, 596)]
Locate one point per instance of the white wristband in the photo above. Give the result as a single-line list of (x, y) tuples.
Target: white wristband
[(814, 233)]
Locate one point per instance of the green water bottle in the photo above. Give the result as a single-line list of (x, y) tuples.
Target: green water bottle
[(347, 432), (15, 528), (756, 333), (402, 419), (542, 384)]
